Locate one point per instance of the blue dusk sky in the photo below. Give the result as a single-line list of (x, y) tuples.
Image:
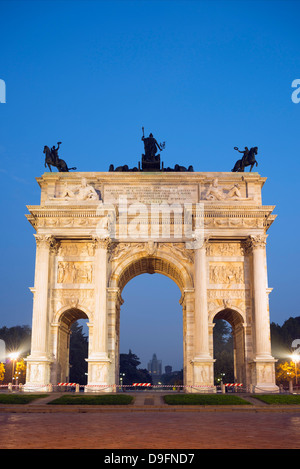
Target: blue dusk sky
[(203, 76)]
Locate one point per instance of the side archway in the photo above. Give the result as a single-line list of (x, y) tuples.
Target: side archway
[(235, 318), (61, 329)]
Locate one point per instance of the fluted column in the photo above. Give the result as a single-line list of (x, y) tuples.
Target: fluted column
[(99, 348), (263, 365), (260, 285), (38, 363), (99, 363), (203, 379), (201, 312), (39, 343)]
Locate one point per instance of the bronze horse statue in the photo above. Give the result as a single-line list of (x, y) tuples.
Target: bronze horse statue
[(52, 159), (248, 159)]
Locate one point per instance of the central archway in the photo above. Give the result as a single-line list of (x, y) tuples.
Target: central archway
[(151, 265), (151, 322), (168, 266)]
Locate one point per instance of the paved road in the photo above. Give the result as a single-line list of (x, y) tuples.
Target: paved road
[(150, 430)]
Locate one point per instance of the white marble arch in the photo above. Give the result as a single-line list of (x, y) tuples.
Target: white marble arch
[(224, 277)]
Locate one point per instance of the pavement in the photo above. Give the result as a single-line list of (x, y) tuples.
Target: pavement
[(148, 423)]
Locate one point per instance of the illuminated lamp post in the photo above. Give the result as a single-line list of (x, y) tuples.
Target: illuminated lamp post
[(13, 356), (295, 358)]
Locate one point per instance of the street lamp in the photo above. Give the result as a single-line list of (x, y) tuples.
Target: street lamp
[(13, 356), (295, 358)]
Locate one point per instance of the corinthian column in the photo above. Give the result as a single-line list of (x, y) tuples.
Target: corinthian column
[(100, 375), (201, 312), (99, 347), (263, 375), (39, 343), (203, 379), (38, 363), (260, 285)]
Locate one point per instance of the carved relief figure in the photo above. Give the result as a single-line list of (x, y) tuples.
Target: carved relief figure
[(214, 192), (225, 274), (225, 249), (75, 272), (83, 192)]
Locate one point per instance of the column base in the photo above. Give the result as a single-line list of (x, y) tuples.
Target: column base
[(265, 388)]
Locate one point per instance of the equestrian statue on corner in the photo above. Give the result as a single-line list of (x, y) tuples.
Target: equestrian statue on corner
[(52, 159), (248, 159)]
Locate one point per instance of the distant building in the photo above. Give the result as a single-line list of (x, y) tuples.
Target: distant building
[(154, 368), (168, 369)]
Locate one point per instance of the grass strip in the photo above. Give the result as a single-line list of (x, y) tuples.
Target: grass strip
[(283, 399), (109, 399), (19, 398), (204, 399)]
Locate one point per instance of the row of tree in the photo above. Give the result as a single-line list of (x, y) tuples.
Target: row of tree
[(17, 339)]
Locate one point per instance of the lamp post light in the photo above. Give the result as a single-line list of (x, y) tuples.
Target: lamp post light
[(13, 356), (295, 358)]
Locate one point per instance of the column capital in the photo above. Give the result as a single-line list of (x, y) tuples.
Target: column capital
[(202, 243), (45, 241), (102, 243), (255, 242)]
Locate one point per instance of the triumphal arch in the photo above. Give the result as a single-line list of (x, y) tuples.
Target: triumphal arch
[(95, 231)]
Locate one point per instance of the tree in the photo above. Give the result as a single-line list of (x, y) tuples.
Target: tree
[(17, 338), (282, 338), (129, 371), (20, 371), (174, 378), (2, 371), (223, 352), (285, 372), (78, 354)]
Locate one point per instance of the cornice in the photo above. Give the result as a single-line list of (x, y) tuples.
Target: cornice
[(131, 177)]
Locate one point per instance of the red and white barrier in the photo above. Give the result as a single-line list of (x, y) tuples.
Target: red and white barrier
[(142, 384), (66, 384), (234, 384)]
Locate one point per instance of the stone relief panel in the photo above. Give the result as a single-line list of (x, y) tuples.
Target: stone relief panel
[(203, 374), (36, 372), (224, 249), (76, 249), (226, 273), (264, 373), (76, 193), (216, 192), (75, 272)]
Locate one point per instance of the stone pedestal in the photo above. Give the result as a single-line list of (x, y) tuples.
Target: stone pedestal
[(203, 376), (98, 374), (37, 375)]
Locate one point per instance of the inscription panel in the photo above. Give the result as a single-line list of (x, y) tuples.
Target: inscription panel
[(156, 194)]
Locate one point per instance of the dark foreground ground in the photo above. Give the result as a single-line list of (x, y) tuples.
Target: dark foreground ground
[(149, 424)]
